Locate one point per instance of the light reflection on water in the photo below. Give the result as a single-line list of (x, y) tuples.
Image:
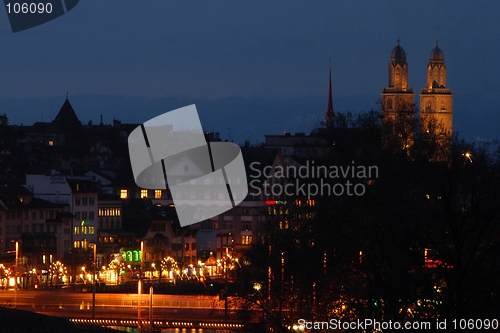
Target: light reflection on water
[(176, 330), (192, 330)]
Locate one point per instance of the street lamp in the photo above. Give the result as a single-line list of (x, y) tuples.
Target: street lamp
[(131, 272), (142, 259), (17, 262), (152, 276), (139, 289), (17, 253), (94, 246)]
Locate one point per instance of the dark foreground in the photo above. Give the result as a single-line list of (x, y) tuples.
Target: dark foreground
[(18, 321)]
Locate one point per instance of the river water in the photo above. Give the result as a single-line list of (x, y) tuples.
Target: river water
[(180, 330)]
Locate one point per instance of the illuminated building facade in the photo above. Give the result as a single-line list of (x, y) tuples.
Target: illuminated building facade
[(397, 97), (436, 100)]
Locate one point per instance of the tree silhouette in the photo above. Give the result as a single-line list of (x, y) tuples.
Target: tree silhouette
[(420, 243)]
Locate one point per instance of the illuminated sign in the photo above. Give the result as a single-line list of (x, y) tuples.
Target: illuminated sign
[(132, 256), (275, 202)]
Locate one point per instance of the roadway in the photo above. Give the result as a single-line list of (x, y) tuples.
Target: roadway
[(62, 302)]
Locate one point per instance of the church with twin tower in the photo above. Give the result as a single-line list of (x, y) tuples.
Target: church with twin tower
[(436, 107)]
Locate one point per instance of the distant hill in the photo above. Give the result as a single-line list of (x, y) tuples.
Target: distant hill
[(239, 119)]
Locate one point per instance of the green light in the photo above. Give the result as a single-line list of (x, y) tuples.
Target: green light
[(132, 256)]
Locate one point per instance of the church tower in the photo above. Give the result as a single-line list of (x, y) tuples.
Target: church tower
[(397, 97), (398, 100), (329, 116), (436, 101)]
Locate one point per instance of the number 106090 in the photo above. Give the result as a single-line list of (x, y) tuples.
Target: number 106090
[(29, 8)]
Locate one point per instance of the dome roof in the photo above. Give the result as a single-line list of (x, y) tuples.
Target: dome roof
[(437, 55), (398, 55)]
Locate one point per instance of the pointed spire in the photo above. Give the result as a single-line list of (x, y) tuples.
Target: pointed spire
[(398, 40), (437, 42), (66, 120), (329, 110), (66, 95)]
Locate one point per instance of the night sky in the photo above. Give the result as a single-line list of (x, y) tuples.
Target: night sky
[(252, 67)]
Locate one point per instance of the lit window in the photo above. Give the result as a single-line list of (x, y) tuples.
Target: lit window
[(91, 230), (77, 231), (51, 142), (144, 193), (77, 244), (123, 193), (246, 240), (157, 194)]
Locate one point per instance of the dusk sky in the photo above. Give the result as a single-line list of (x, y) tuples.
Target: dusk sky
[(254, 67)]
